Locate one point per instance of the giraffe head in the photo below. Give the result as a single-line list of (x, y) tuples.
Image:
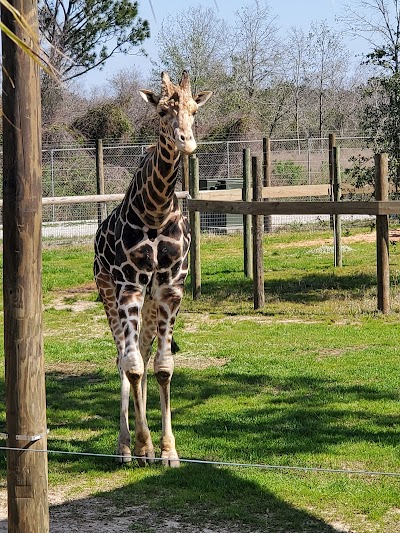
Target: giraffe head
[(176, 107)]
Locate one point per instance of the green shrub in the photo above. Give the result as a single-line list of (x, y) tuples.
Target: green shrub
[(288, 173)]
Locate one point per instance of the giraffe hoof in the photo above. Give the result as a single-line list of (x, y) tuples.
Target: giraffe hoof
[(147, 459), (123, 458), (170, 459), (123, 455)]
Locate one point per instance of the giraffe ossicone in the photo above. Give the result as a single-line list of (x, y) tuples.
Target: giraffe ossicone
[(140, 266)]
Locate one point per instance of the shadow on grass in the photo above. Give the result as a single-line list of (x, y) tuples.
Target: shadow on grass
[(293, 415), (302, 289), (192, 498)]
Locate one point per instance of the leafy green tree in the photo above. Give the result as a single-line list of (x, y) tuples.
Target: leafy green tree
[(104, 121), (378, 21), (80, 35)]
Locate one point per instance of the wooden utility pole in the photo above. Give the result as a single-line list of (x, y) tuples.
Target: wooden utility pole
[(23, 333), (257, 223), (382, 234)]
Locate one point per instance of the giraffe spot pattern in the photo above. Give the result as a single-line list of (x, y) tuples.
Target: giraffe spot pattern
[(141, 253)]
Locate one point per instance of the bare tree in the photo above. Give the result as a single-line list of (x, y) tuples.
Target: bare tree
[(327, 66), (378, 22), (193, 40), (255, 53), (256, 67), (296, 57)]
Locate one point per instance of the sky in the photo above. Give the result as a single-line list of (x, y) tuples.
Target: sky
[(299, 13)]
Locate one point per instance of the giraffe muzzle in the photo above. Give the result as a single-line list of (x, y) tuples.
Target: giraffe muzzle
[(185, 141)]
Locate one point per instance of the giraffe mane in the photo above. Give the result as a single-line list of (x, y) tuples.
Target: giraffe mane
[(185, 82)]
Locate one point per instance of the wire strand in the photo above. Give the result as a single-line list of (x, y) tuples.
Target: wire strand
[(217, 463)]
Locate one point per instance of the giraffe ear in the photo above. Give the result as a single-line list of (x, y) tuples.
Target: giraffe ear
[(149, 97), (202, 97)]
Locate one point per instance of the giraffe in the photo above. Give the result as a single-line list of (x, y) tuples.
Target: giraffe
[(141, 263)]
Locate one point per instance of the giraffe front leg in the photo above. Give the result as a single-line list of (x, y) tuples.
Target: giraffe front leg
[(168, 307), (107, 292), (132, 365), (124, 438)]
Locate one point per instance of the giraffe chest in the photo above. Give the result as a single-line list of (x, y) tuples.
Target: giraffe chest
[(144, 257)]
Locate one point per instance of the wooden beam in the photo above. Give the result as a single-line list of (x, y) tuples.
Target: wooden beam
[(100, 182), (292, 191), (296, 208), (91, 199)]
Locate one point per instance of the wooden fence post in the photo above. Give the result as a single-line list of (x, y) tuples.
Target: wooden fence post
[(246, 197), (332, 145), (257, 220), (382, 234), (101, 207), (194, 219), (337, 219), (267, 171), (23, 325), (185, 172)]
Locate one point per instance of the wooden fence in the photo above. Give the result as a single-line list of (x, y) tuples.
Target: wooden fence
[(212, 202)]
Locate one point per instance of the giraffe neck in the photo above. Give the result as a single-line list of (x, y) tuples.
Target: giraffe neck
[(152, 196)]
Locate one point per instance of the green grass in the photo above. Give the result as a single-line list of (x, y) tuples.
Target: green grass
[(311, 380)]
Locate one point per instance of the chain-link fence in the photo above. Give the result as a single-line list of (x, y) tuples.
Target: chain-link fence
[(71, 171)]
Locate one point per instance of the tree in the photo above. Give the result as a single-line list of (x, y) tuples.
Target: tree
[(107, 120), (80, 35), (296, 53), (327, 67), (195, 40), (378, 21), (255, 55)]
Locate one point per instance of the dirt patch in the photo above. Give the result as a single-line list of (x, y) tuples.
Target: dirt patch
[(394, 236), (195, 322), (74, 299), (72, 369), (198, 362), (101, 514)]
